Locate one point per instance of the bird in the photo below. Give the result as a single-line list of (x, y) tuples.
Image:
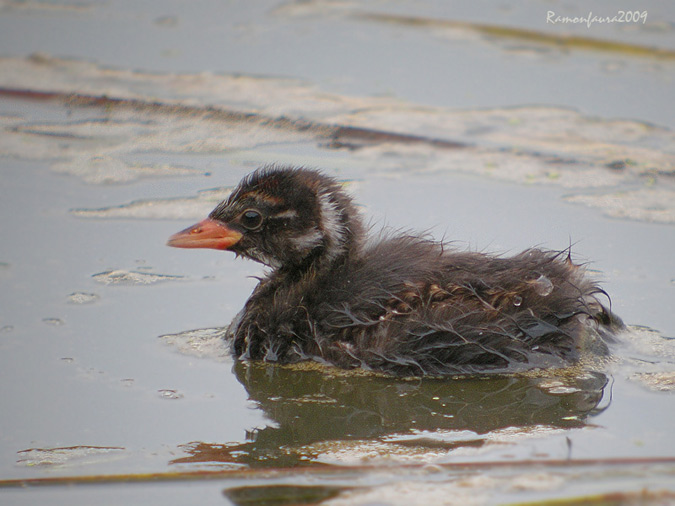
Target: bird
[(393, 302)]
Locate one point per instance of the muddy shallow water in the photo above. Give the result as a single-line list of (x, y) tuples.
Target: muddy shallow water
[(111, 357)]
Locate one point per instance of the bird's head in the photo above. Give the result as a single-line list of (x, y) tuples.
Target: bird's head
[(281, 217)]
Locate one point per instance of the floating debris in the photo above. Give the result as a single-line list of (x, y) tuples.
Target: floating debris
[(462, 490), (122, 277), (219, 113), (557, 387), (422, 446), (170, 394), (82, 298), (203, 343), (54, 322), (648, 346), (110, 170), (64, 455), (167, 209), (651, 204), (658, 381)]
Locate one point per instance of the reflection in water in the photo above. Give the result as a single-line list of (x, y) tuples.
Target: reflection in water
[(280, 495), (310, 405)]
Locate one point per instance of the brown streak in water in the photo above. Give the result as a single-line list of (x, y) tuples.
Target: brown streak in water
[(271, 473), (537, 37), (338, 135)]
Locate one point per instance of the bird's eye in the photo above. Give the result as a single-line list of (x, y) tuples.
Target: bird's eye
[(251, 219)]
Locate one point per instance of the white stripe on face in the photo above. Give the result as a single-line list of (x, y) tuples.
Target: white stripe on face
[(333, 228), (308, 241)]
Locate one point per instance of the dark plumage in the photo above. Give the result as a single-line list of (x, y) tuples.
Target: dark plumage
[(399, 303)]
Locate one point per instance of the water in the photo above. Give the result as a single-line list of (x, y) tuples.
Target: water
[(111, 357), (543, 286)]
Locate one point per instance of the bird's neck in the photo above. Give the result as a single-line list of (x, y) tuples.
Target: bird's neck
[(335, 239), (319, 263), (338, 223)]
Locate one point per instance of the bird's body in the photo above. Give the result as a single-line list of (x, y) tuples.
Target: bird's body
[(397, 303)]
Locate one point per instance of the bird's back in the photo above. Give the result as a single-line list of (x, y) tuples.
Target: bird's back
[(412, 306)]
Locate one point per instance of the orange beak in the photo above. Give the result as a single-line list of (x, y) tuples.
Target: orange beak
[(207, 233)]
